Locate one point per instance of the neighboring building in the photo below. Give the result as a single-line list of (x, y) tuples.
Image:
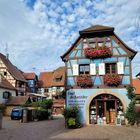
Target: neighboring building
[(32, 81), (58, 106), (45, 83), (52, 83), (98, 70), (12, 75), (6, 90), (15, 102), (136, 85)]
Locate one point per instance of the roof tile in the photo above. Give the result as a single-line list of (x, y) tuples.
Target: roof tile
[(18, 100), (48, 79), (12, 69), (136, 84), (29, 76)]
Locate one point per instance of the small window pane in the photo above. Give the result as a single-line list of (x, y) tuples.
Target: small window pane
[(84, 69), (110, 68), (113, 68)]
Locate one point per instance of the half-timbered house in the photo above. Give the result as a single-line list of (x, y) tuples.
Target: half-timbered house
[(98, 71), (12, 74)]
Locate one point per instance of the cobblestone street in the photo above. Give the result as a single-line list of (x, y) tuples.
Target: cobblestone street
[(55, 130)]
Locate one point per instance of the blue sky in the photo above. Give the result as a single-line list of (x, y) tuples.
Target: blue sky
[(38, 32)]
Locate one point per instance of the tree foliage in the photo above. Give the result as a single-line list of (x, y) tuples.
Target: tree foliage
[(130, 92), (131, 113)]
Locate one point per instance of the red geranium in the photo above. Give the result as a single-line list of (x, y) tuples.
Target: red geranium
[(99, 52), (112, 80), (84, 81)]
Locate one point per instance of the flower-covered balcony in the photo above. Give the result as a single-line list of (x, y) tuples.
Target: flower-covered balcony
[(98, 52), (84, 81), (112, 80)]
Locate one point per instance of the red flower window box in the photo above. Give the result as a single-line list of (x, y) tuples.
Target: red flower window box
[(99, 52), (84, 81), (112, 80)]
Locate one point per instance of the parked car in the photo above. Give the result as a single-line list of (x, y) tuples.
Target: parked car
[(17, 113)]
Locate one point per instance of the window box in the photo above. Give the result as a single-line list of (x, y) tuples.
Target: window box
[(112, 80), (84, 81), (99, 52)]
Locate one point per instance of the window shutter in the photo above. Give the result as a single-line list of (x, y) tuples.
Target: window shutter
[(120, 67), (75, 69), (101, 69), (92, 69)]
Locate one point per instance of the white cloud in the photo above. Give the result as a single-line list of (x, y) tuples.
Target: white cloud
[(38, 36)]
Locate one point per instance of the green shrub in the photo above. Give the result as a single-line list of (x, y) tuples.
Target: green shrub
[(71, 112), (46, 104), (41, 114), (71, 122), (72, 117)]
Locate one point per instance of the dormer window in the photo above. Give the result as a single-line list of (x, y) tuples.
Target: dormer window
[(58, 78), (110, 68), (84, 69)]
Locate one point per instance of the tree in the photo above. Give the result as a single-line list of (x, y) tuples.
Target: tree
[(130, 93), (131, 113)]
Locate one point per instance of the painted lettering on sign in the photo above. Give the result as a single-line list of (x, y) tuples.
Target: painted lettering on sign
[(76, 100)]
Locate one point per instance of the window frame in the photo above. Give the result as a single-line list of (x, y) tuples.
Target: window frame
[(111, 69), (84, 72), (7, 94)]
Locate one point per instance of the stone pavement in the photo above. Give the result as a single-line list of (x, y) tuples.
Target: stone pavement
[(55, 130)]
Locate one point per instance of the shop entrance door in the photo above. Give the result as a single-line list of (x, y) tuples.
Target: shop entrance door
[(100, 108), (104, 106)]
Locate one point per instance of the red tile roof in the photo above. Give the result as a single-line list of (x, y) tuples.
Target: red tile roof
[(12, 69), (59, 73), (5, 84), (48, 79), (136, 84), (18, 100), (29, 76), (45, 79)]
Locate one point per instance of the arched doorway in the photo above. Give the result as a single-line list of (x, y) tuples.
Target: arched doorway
[(105, 106)]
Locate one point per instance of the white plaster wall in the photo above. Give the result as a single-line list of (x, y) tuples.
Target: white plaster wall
[(1, 94)]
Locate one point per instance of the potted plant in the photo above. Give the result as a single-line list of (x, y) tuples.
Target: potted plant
[(112, 80), (84, 81), (98, 52), (72, 117)]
